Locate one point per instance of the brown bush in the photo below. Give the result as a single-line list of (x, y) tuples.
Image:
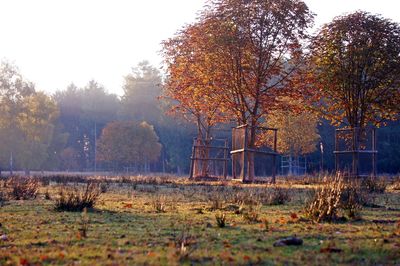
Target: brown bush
[(374, 184), (221, 219), (252, 216), (77, 198), (159, 204), (336, 194), (3, 197), (352, 199), (22, 188), (395, 184), (277, 196)]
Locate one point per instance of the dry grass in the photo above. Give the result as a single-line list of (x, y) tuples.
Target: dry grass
[(125, 228)]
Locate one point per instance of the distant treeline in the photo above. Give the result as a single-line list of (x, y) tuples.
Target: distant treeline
[(60, 132)]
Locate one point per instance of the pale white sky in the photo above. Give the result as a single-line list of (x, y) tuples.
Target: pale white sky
[(56, 42)]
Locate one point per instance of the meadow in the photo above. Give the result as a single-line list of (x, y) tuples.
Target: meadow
[(170, 221)]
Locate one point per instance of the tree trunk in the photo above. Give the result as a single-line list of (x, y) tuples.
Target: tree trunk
[(205, 156), (196, 154)]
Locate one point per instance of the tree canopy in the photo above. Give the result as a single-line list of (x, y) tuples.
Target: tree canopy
[(237, 59), (129, 143), (355, 67), (26, 122)]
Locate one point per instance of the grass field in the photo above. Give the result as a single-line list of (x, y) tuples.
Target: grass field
[(168, 222)]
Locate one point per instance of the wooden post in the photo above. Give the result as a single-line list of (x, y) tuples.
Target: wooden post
[(355, 171), (225, 170), (244, 157), (233, 155), (336, 150), (274, 157), (374, 152)]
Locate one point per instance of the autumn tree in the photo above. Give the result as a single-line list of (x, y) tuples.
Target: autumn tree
[(83, 114), (298, 134), (355, 63), (128, 144), (254, 47), (27, 121), (356, 68), (192, 86)]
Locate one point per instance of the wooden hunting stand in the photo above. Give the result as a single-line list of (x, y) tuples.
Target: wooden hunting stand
[(241, 152), (209, 159), (355, 142)]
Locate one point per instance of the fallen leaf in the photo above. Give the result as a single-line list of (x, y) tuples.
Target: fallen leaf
[(23, 262), (151, 254), (128, 205)]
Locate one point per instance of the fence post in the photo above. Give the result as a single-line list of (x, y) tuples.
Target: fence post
[(244, 157)]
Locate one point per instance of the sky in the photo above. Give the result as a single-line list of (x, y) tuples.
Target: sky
[(58, 42)]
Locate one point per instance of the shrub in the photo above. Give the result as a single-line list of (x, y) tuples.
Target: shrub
[(395, 184), (325, 204), (77, 198), (352, 199), (374, 184), (278, 196), (3, 198), (22, 188), (159, 204), (185, 244), (83, 224), (266, 224), (246, 197), (104, 187), (252, 216), (217, 201), (221, 219), (47, 195), (336, 194), (251, 211)]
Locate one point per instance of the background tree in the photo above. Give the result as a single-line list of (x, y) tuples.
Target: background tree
[(26, 121), (355, 63), (129, 144), (69, 159), (37, 124), (142, 88), (298, 134), (56, 147), (356, 68), (13, 89), (83, 114), (140, 102)]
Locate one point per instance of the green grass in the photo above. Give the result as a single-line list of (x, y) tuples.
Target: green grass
[(125, 228)]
